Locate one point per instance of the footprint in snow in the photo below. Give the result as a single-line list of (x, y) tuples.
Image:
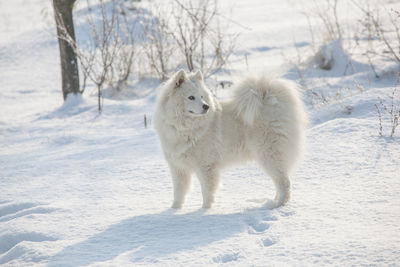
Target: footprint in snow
[(267, 242), (258, 227), (227, 257), (269, 218)]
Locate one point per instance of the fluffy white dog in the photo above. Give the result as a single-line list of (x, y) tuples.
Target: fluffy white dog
[(265, 121)]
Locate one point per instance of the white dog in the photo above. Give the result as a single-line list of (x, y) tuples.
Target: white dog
[(265, 121)]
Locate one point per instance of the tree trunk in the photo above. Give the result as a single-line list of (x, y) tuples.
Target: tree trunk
[(65, 31)]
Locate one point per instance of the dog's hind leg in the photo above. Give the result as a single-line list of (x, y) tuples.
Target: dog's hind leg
[(282, 186), (181, 181), (209, 180), (279, 176)]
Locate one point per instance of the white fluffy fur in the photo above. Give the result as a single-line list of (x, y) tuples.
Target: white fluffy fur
[(265, 121)]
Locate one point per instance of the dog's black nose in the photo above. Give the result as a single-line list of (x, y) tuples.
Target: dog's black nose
[(205, 107)]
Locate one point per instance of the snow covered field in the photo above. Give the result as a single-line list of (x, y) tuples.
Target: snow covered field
[(78, 188)]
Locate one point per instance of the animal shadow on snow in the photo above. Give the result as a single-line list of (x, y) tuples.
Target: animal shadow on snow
[(155, 235)]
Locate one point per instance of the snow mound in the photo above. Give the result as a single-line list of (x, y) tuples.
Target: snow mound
[(73, 105), (334, 61), (15, 246)]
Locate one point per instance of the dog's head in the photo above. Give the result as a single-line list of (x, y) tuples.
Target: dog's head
[(190, 95)]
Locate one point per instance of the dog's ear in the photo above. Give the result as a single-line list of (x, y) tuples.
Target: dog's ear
[(179, 78), (198, 75)]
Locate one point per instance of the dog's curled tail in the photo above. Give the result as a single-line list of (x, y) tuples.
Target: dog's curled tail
[(257, 96), (250, 96)]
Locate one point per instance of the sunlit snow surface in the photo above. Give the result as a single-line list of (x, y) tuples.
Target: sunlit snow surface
[(78, 188)]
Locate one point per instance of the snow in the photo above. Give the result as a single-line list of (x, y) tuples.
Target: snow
[(79, 188)]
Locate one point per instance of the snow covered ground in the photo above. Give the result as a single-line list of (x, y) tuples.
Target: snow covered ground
[(78, 188)]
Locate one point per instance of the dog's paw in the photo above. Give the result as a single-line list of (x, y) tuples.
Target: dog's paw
[(176, 205), (281, 200), (269, 204), (206, 206)]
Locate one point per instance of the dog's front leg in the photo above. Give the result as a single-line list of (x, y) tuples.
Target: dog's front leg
[(181, 182), (209, 180)]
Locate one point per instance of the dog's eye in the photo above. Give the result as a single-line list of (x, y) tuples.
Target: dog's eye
[(191, 97)]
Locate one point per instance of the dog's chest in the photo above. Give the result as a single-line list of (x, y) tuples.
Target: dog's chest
[(185, 150)]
